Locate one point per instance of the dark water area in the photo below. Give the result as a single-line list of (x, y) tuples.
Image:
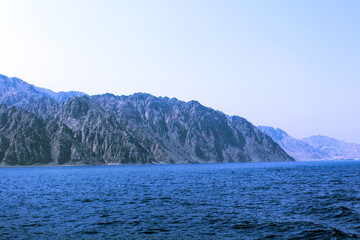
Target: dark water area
[(295, 200)]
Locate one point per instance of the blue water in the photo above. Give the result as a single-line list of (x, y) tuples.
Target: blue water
[(297, 200)]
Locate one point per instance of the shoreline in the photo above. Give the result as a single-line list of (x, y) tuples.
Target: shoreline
[(149, 164)]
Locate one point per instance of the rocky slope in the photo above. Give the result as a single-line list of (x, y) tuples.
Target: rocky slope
[(23, 138), (314, 147), (42, 102), (16, 92), (46, 127), (188, 131), (298, 149), (334, 147)]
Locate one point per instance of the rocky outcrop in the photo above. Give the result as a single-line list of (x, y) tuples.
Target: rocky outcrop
[(109, 129), (23, 138), (100, 133)]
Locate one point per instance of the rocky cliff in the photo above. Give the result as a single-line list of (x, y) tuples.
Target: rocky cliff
[(23, 138), (188, 131), (72, 128)]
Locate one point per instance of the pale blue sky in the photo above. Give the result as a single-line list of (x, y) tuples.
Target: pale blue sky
[(288, 64)]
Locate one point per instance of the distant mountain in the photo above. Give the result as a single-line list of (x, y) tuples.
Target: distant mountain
[(333, 147), (40, 101), (314, 147), (298, 149), (16, 92), (72, 128), (60, 96)]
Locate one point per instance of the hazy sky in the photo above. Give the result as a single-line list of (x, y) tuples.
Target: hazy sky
[(288, 64)]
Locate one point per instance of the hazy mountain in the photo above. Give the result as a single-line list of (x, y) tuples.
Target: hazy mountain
[(60, 96), (314, 147), (298, 149), (16, 92), (42, 102), (108, 129), (333, 147)]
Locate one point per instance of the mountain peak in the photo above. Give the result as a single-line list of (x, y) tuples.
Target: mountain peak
[(298, 149), (277, 133), (15, 90), (317, 147)]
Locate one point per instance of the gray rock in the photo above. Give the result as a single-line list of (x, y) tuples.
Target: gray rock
[(40, 101), (108, 129), (190, 132), (23, 138)]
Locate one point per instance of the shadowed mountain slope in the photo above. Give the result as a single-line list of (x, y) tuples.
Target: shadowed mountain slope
[(137, 129), (188, 131)]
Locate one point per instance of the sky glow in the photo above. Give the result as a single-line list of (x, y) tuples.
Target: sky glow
[(287, 64)]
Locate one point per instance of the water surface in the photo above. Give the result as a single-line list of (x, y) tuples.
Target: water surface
[(297, 200)]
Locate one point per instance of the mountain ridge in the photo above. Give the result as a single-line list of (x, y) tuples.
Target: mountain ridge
[(314, 147), (334, 147), (134, 129)]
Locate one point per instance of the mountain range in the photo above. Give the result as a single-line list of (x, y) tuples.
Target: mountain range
[(314, 147), (39, 126)]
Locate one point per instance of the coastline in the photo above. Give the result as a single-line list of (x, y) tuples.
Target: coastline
[(2, 165)]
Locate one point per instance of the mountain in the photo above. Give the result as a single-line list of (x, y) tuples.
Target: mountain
[(298, 149), (23, 138), (189, 131), (333, 147), (60, 96), (16, 92), (40, 101), (74, 128), (314, 147)]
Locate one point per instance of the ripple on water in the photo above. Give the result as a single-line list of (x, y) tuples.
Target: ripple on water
[(210, 201)]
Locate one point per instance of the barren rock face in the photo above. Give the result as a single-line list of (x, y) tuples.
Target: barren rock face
[(23, 138), (108, 129), (190, 132)]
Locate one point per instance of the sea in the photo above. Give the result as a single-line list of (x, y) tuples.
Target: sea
[(278, 200)]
